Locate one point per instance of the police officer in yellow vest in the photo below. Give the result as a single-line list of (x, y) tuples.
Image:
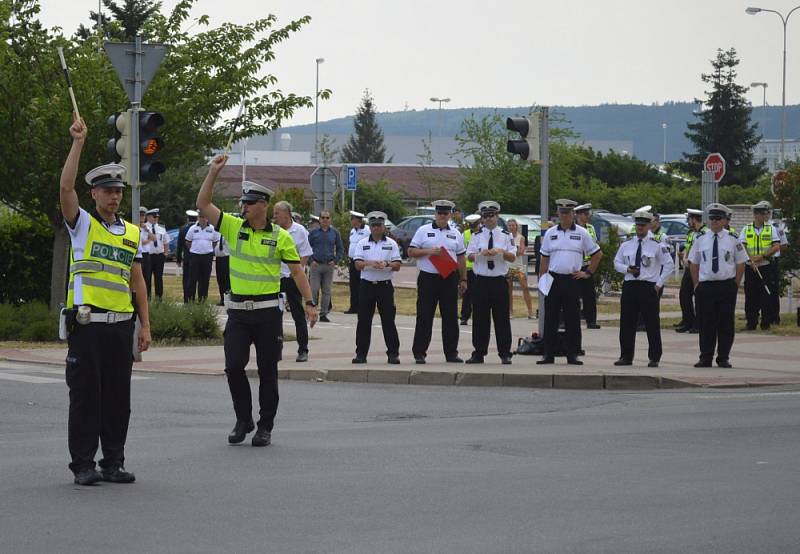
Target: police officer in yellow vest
[(762, 242), (583, 214), (104, 270), (257, 248), (472, 224)]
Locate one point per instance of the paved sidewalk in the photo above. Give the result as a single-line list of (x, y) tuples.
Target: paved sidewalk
[(758, 360)]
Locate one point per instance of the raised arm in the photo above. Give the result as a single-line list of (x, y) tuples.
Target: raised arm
[(206, 194), (68, 197)]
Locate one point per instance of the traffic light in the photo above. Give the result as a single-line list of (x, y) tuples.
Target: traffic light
[(119, 146), (150, 145), (528, 127)]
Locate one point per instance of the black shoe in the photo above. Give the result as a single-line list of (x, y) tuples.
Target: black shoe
[(301, 357), (88, 477), (240, 431), (419, 359), (724, 363), (463, 322), (694, 331), (324, 319), (764, 326), (679, 324), (546, 360), (393, 360), (592, 326), (262, 438), (474, 360), (454, 360), (505, 360), (581, 352), (750, 327), (117, 474), (623, 361), (702, 363), (652, 363), (359, 360), (574, 361), (682, 329), (351, 311)]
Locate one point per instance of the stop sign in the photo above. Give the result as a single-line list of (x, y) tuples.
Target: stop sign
[(716, 163)]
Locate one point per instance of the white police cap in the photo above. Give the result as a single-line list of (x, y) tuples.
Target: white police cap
[(354, 213), (154, 211), (142, 210), (692, 211), (192, 214), (762, 206), (314, 217), (583, 207), (109, 175), (254, 191), (472, 218), (718, 209), (376, 217), (565, 204), (488, 206), (443, 205), (642, 216)]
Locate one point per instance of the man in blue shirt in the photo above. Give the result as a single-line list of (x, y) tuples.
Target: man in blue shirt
[(326, 242)]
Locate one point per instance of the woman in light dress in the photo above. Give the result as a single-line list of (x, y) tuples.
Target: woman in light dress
[(516, 270)]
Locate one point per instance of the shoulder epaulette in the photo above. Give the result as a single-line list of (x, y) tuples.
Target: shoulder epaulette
[(505, 232), (732, 233), (700, 233)]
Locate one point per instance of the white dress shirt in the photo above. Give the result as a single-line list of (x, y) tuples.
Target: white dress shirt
[(430, 236), (355, 237), (566, 248), (300, 238), (656, 263), (385, 250), (729, 250), (222, 249), (501, 240), (202, 239), (161, 242)]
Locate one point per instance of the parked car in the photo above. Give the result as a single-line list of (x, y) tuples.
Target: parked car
[(603, 221), (534, 229), (403, 231)]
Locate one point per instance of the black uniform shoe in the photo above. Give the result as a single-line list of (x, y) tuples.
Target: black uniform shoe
[(359, 360), (419, 359), (702, 363), (454, 360), (592, 325), (641, 328), (262, 438), (682, 329), (505, 360), (652, 363), (88, 477), (351, 311), (724, 363), (117, 474), (393, 360), (463, 322), (574, 361), (301, 357), (764, 326), (581, 352), (546, 360), (623, 361), (324, 319), (694, 330), (750, 327), (679, 324), (474, 359), (240, 430)]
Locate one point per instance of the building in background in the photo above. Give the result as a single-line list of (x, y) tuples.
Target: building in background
[(769, 150)]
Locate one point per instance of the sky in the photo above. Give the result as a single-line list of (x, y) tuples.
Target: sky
[(507, 53)]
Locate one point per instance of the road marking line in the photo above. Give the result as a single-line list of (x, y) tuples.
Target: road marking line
[(28, 378)]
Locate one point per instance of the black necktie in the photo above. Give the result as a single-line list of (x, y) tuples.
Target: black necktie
[(490, 263), (638, 261), (715, 255)]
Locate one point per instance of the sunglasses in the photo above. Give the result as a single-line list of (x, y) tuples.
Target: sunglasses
[(249, 202), (324, 217), (490, 215), (376, 223), (715, 217)]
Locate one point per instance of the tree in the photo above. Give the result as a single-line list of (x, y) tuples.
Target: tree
[(436, 186), (378, 196), (202, 77), (130, 19), (366, 144), (327, 149), (724, 126)]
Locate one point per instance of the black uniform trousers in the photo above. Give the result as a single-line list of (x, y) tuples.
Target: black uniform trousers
[(716, 303), (298, 310), (563, 295), (188, 293), (157, 273), (432, 290), (775, 290), (490, 298), (263, 328), (466, 298), (98, 373), (639, 300), (355, 286), (147, 271), (588, 298), (756, 299), (200, 275), (686, 297), (223, 264), (380, 294)]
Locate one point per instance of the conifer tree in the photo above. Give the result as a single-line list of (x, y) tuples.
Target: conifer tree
[(366, 143)]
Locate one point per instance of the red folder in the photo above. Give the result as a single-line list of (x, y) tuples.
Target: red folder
[(444, 263)]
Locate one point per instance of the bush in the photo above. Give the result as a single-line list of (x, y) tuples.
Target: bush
[(32, 321), (26, 259), (174, 322)]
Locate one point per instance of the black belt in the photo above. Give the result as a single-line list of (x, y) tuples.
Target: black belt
[(651, 283), (489, 276), (560, 275), (376, 282)]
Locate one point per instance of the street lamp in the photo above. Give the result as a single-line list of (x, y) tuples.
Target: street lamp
[(441, 124), (664, 128), (764, 86), (784, 20), (316, 116)]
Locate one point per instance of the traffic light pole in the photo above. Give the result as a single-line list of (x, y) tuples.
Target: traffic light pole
[(136, 105), (544, 196)]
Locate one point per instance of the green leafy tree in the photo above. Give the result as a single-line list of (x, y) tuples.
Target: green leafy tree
[(787, 198), (379, 196), (436, 185), (366, 143), (724, 126), (296, 197)]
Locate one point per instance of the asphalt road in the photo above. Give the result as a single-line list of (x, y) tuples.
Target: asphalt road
[(369, 468)]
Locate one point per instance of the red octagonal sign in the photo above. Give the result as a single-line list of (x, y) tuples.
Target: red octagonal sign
[(716, 163)]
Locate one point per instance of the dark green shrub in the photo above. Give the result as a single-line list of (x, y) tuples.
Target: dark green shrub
[(32, 321), (26, 259), (174, 322)]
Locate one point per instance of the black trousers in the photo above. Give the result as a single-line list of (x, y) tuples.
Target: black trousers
[(639, 300), (186, 279), (716, 303), (432, 290), (588, 299), (686, 297), (775, 291), (99, 363), (147, 271), (466, 298), (756, 299), (563, 296), (355, 286), (201, 275), (263, 329), (298, 309), (157, 273), (490, 299), (223, 264), (370, 295)]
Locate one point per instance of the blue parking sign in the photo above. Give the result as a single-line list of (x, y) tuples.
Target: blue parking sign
[(352, 178)]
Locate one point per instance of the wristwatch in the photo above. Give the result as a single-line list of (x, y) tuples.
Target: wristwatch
[(311, 303)]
